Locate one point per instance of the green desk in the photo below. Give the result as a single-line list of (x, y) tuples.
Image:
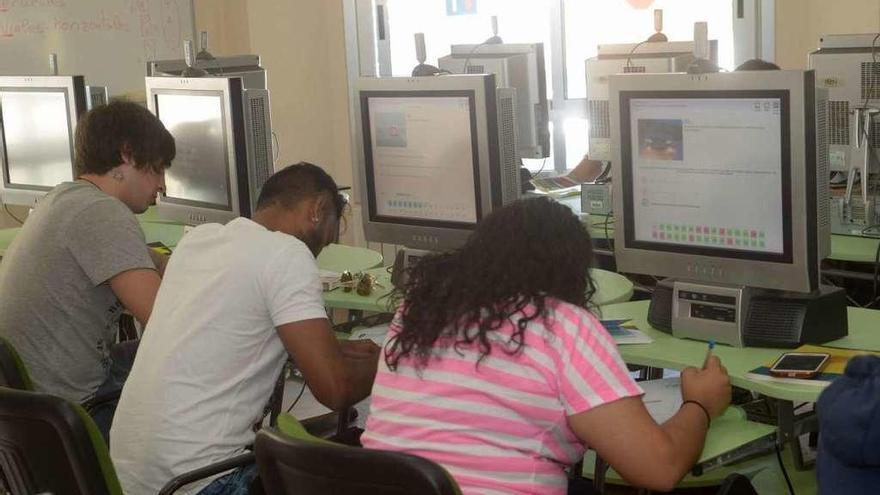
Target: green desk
[(763, 471), (335, 257), (611, 288), (728, 431), (853, 248), (669, 352)]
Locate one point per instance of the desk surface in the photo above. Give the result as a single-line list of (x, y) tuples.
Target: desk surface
[(335, 257), (611, 288), (853, 248), (669, 352)]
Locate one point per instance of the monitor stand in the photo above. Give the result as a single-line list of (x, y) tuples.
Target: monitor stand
[(405, 258), (748, 317)]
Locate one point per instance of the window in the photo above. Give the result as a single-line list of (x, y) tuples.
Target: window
[(590, 23), (578, 26)]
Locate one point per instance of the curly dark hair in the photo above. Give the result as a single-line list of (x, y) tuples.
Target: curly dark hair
[(106, 132), (519, 256)]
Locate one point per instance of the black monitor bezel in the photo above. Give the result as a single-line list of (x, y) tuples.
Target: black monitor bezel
[(4, 157), (374, 216), (630, 242), (224, 112)]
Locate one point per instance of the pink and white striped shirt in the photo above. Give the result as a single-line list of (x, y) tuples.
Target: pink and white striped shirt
[(501, 427)]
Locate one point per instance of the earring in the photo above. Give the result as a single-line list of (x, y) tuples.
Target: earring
[(118, 175), (314, 219)]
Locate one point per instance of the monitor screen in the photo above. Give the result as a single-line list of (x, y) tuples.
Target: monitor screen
[(37, 137), (199, 174), (421, 160), (698, 162)]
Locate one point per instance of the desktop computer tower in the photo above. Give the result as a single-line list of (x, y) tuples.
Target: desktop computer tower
[(761, 318), (508, 137)]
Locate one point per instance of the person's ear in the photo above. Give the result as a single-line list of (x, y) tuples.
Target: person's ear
[(317, 209), (126, 155)]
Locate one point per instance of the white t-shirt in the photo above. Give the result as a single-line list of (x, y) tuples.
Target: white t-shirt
[(210, 354)]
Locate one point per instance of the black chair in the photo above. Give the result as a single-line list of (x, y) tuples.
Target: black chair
[(306, 465), (49, 445), (13, 373)]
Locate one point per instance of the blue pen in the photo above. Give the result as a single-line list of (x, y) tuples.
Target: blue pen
[(708, 353)]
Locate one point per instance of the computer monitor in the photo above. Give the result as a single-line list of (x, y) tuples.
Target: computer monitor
[(625, 58), (718, 179), (436, 156), (721, 185), (222, 133), (846, 66), (38, 116), (519, 66), (247, 67)]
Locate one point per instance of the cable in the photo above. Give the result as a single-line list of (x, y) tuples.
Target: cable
[(468, 58), (6, 207), (782, 467), (608, 238), (631, 52), (298, 396), (876, 270), (543, 164), (276, 148)]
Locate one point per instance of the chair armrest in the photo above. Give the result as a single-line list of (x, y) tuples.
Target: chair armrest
[(204, 472)]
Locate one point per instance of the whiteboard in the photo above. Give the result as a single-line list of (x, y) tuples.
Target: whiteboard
[(107, 41)]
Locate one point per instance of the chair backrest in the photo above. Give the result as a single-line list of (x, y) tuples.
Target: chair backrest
[(13, 374), (49, 445), (306, 467)]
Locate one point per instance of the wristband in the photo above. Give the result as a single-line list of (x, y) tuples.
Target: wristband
[(705, 411)]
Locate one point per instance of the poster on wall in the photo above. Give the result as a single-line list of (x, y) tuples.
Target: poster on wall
[(461, 7)]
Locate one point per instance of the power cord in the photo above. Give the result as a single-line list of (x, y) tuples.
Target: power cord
[(782, 467), (298, 396), (468, 58), (20, 221), (276, 148)]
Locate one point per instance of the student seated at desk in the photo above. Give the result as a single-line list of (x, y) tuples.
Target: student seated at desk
[(235, 302), (81, 259), (849, 431), (495, 368)]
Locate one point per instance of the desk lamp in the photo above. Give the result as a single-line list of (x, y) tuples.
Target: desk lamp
[(494, 39), (191, 70), (423, 69), (658, 35), (701, 63), (204, 54)]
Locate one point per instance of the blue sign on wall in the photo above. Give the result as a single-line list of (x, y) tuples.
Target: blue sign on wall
[(461, 7)]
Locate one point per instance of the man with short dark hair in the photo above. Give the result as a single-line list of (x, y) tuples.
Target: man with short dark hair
[(235, 302), (81, 258)]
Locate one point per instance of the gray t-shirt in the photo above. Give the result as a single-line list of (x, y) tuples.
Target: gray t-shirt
[(56, 305)]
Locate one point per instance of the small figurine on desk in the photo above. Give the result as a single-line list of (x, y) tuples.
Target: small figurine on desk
[(362, 283)]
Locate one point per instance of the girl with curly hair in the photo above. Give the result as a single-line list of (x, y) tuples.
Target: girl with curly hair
[(497, 369)]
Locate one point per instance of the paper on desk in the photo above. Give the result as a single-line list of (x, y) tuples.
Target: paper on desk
[(376, 334), (662, 398), (329, 279), (625, 332)]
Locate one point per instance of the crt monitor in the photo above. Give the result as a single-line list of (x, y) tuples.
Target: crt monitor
[(38, 116), (719, 181), (435, 158), (519, 66), (639, 58), (224, 151), (247, 67)]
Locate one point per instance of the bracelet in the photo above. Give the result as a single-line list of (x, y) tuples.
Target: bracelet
[(705, 411)]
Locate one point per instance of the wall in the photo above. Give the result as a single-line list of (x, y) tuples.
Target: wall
[(800, 23), (227, 24)]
